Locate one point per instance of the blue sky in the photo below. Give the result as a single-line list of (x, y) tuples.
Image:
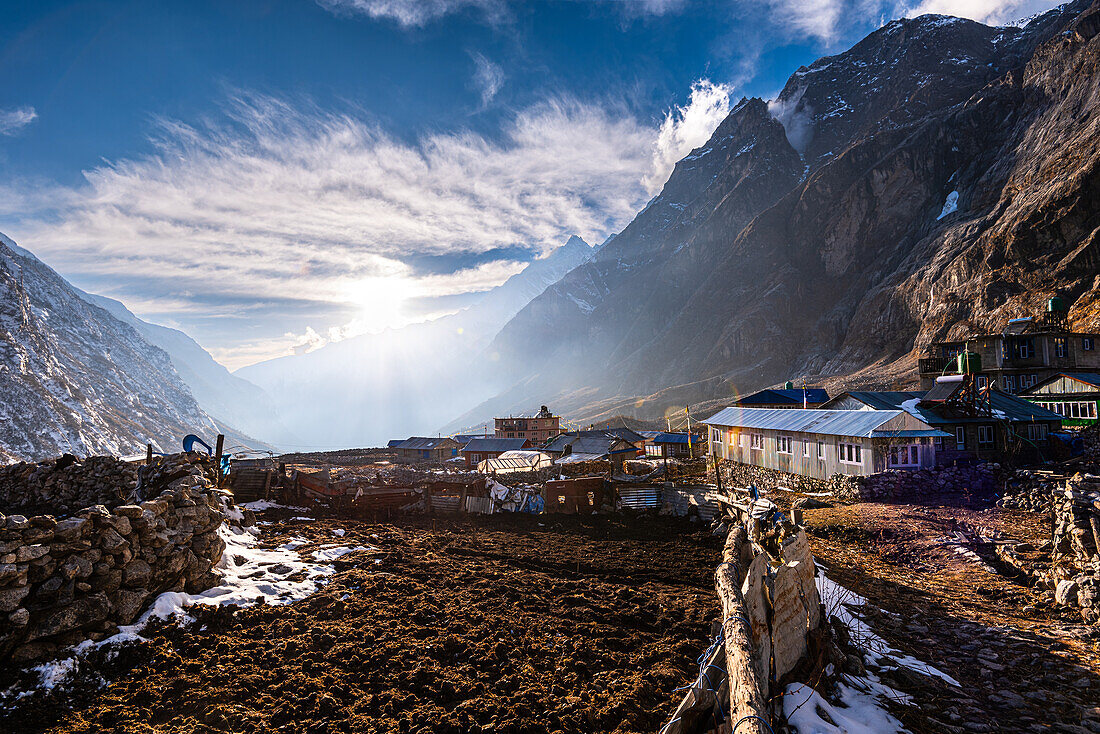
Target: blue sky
[(269, 174)]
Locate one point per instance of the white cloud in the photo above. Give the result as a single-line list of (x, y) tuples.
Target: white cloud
[(990, 12), (12, 121), (290, 202), (411, 13), (488, 78), (686, 128), (815, 18)]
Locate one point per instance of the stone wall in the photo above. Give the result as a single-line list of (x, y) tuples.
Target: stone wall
[(70, 575), (1076, 554), (883, 486)]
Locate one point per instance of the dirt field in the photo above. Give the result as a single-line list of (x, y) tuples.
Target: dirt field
[(1023, 664), (504, 624)]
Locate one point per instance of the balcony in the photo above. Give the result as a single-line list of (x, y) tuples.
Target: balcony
[(936, 365)]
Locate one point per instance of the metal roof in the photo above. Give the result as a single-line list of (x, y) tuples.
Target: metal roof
[(421, 443), (1005, 407), (1089, 378), (674, 438), (794, 396), (860, 423), (494, 444)]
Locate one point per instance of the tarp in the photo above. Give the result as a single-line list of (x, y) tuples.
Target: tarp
[(513, 461)]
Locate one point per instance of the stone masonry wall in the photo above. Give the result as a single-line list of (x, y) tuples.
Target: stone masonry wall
[(885, 485), (76, 574)]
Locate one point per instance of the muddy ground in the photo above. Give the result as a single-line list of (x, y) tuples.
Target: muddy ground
[(503, 624)]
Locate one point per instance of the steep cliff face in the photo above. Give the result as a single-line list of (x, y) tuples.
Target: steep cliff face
[(947, 181), (76, 379)]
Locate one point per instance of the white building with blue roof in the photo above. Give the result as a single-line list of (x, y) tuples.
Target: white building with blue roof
[(821, 443)]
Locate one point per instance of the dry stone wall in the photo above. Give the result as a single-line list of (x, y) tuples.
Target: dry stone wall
[(882, 486), (1076, 554), (105, 539)]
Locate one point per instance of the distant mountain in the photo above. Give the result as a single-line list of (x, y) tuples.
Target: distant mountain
[(938, 177), (73, 378), (232, 400), (368, 389)]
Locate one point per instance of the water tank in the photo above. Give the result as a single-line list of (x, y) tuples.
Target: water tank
[(788, 385), (969, 363), (1056, 305)]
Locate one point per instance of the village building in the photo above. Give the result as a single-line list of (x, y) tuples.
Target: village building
[(1028, 351), (984, 424), (578, 446), (672, 445), (420, 448), (535, 427), (788, 397), (1074, 396), (478, 450), (820, 443)]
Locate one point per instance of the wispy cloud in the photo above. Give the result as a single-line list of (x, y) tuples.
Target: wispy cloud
[(288, 199), (412, 13), (990, 12), (488, 78), (12, 121), (688, 127)]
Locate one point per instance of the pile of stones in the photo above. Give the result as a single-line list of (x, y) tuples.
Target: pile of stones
[(73, 574), (898, 483), (1076, 554), (1027, 490)]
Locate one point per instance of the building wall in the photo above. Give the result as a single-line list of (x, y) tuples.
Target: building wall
[(1052, 353), (536, 430), (1078, 401)]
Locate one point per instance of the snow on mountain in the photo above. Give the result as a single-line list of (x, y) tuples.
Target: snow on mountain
[(76, 379)]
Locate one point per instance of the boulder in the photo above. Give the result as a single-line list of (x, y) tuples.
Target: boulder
[(1065, 593), (79, 614)]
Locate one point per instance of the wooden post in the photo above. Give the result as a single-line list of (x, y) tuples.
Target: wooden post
[(218, 456), (747, 709), (148, 454)]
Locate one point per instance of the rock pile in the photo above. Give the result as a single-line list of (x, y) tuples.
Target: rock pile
[(1076, 556), (884, 485), (63, 485), (70, 576), (1027, 490)]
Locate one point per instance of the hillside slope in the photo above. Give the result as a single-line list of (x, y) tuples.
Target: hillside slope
[(76, 379), (940, 176)]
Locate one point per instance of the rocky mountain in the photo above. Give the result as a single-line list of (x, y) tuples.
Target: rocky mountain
[(75, 378), (368, 389), (234, 401), (938, 177)]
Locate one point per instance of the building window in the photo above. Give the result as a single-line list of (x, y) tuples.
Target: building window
[(960, 438), (1010, 383), (1086, 343), (983, 382), (756, 441), (985, 435), (715, 435), (806, 448), (1023, 349), (851, 453), (908, 455), (1059, 346), (1037, 431), (783, 445), (821, 450)]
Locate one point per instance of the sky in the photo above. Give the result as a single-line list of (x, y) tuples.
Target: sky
[(269, 175)]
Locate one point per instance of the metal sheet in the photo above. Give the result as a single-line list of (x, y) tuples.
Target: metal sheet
[(859, 423), (446, 504), (639, 498)]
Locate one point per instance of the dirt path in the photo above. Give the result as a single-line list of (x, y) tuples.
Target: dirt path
[(502, 624), (1023, 665)]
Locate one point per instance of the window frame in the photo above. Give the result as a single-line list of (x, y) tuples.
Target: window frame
[(1087, 344), (783, 445), (850, 453), (960, 438), (988, 431), (912, 455)]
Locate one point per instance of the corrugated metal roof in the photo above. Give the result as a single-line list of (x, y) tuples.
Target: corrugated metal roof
[(794, 396), (421, 443), (828, 422), (675, 438), (1089, 378), (494, 444), (1005, 407)]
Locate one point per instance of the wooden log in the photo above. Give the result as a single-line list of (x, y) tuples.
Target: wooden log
[(747, 710)]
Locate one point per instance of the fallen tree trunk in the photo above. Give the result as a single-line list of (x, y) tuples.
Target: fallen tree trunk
[(747, 709)]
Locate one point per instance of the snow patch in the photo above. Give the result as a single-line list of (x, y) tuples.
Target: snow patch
[(861, 713), (260, 505), (950, 206)]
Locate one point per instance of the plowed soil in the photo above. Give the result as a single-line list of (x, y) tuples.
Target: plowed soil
[(503, 624)]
